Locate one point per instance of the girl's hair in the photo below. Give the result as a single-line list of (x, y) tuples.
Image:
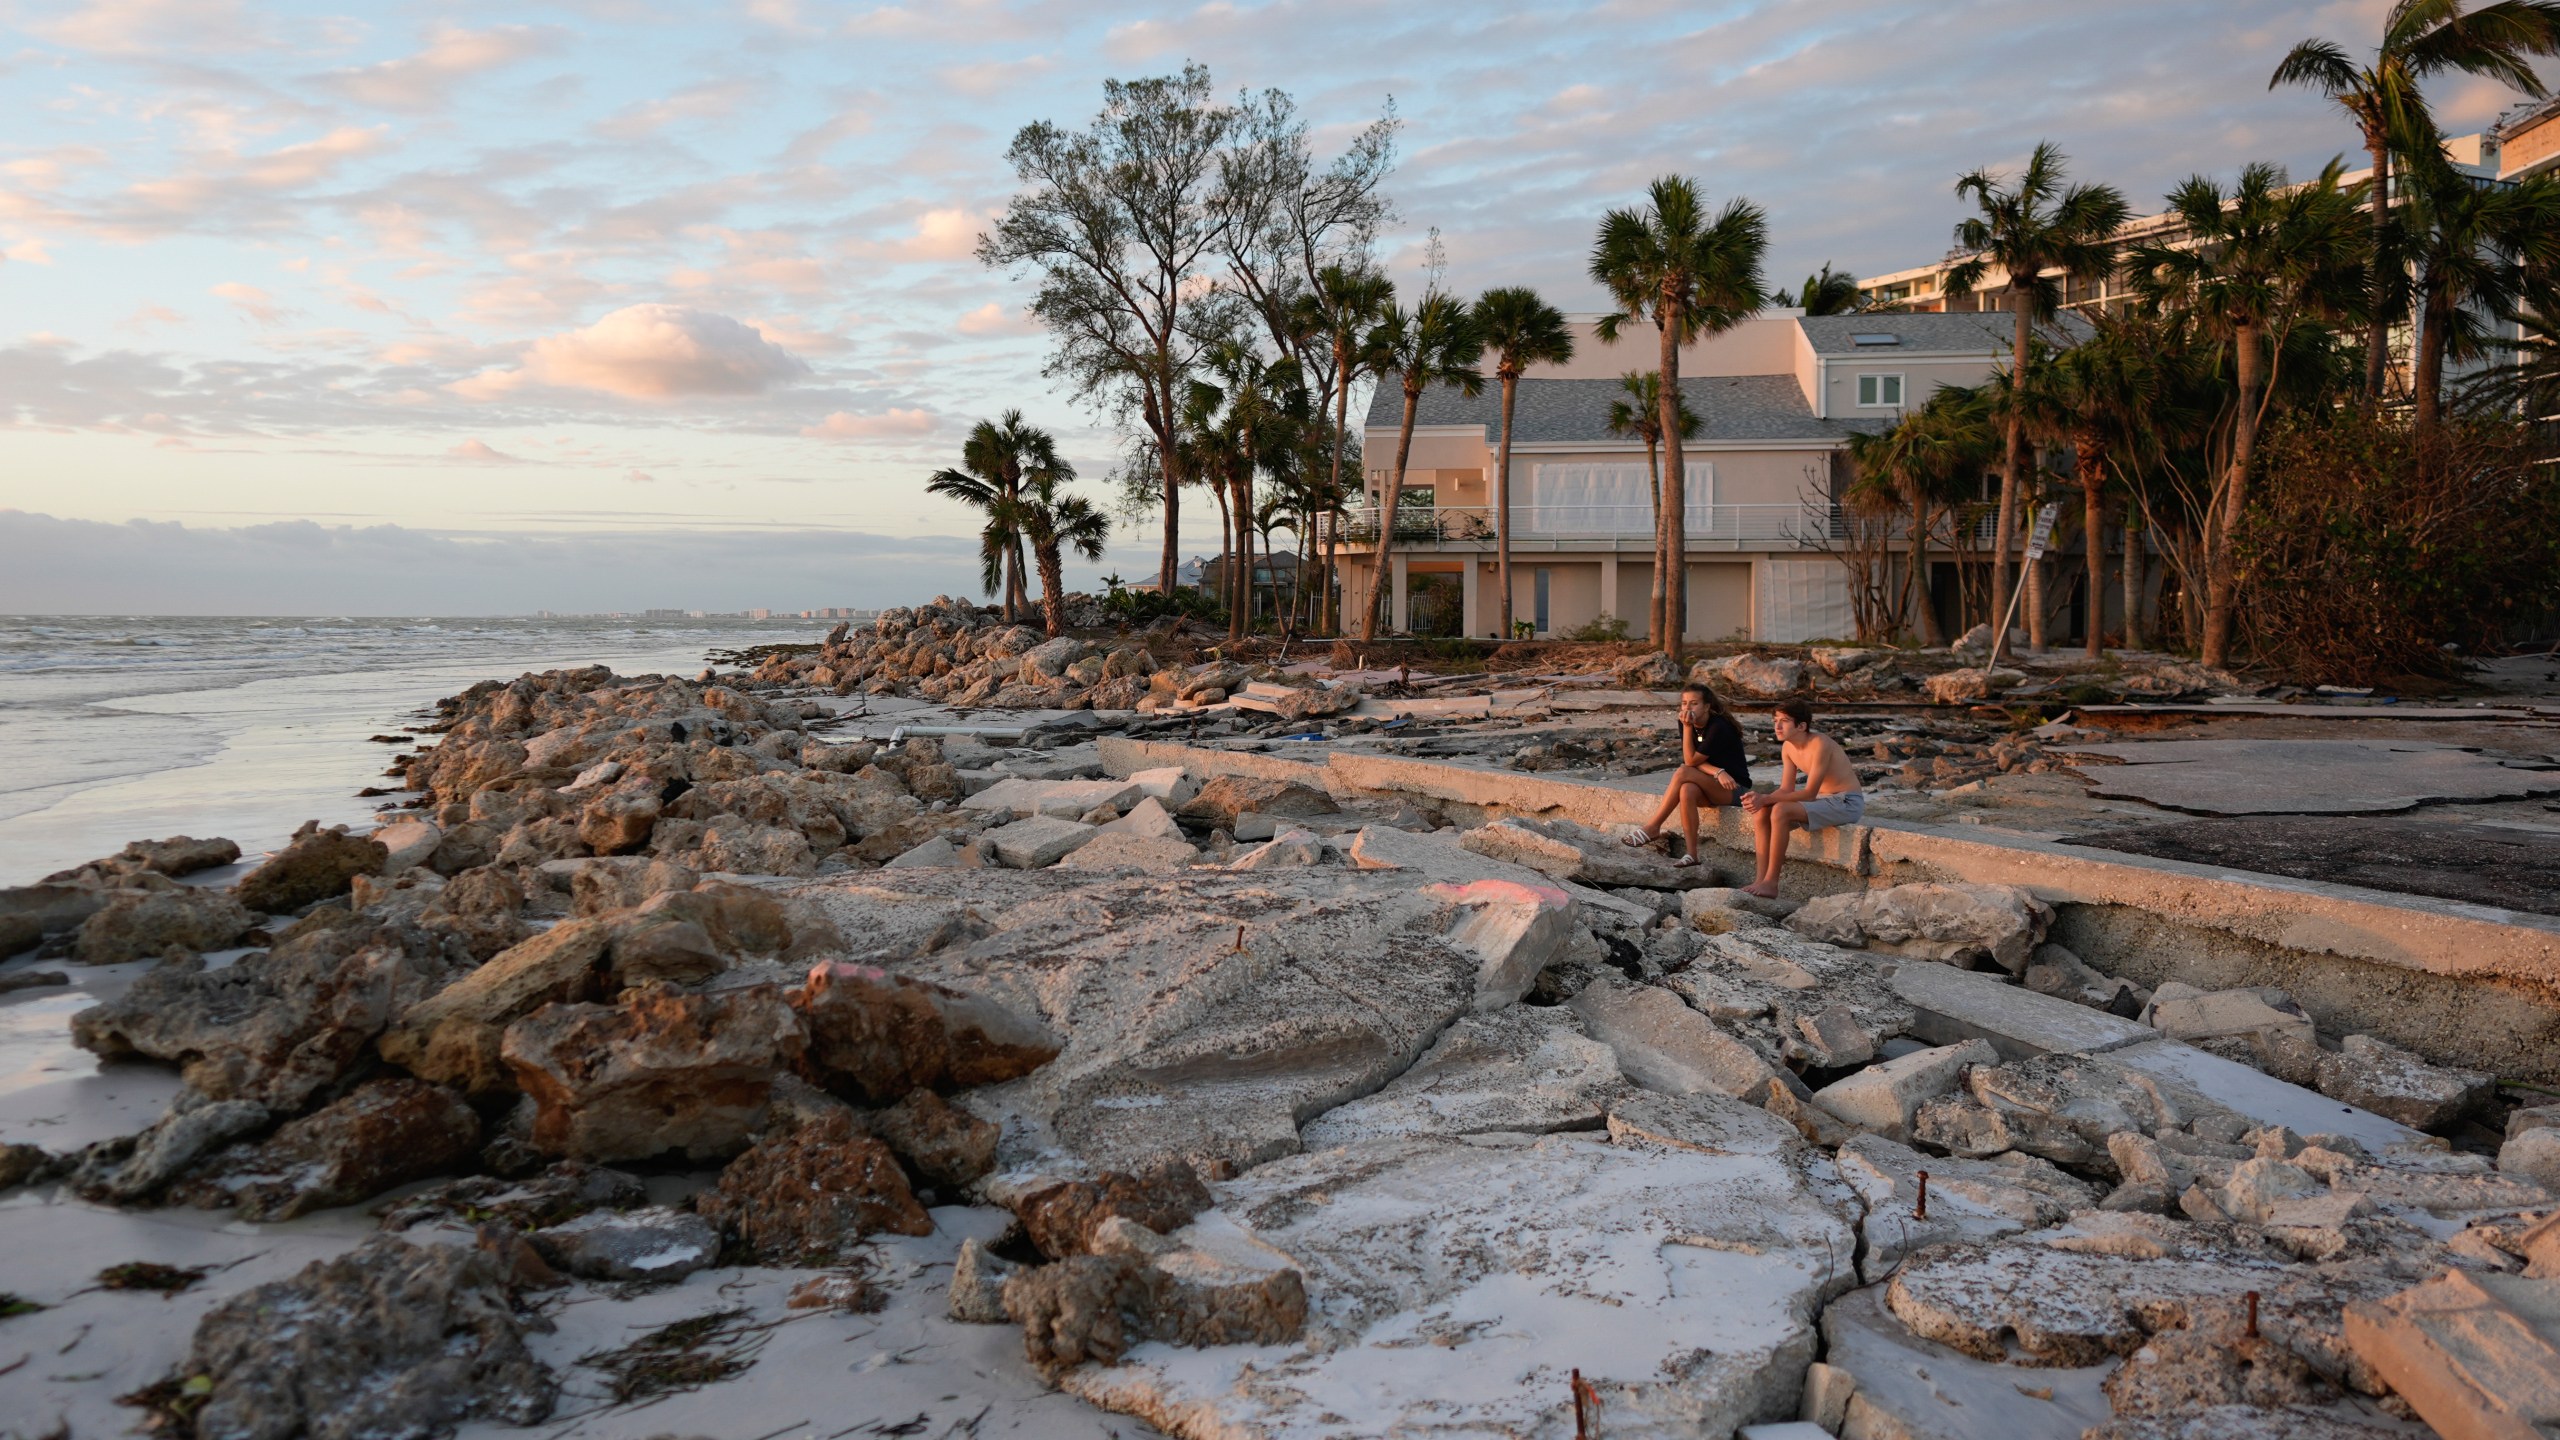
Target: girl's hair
[(1715, 706)]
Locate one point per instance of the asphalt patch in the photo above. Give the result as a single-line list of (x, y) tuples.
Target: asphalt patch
[(2476, 864)]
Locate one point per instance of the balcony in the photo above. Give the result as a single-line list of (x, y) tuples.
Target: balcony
[(1709, 526)]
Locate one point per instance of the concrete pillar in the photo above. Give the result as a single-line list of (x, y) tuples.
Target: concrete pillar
[(1399, 617), (1474, 623), (1609, 587)]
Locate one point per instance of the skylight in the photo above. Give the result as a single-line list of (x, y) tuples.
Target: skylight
[(1875, 339)]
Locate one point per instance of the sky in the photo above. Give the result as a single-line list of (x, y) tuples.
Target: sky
[(483, 308)]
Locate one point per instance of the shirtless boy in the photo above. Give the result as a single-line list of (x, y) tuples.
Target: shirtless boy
[(1713, 770), (1817, 789)]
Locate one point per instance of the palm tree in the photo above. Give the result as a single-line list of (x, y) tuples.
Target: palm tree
[(2258, 262), (1051, 521), (2420, 38), (1932, 455), (2107, 392), (1690, 276), (2027, 232), (1344, 304), (2481, 250), (1831, 293), (1521, 330), (1248, 419), (1434, 343), (1639, 417), (996, 461)]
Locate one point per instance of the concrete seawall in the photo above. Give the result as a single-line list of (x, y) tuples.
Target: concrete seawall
[(2460, 984)]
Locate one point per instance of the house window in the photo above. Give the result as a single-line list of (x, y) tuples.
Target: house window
[(1418, 496), (1542, 626), (1880, 390)]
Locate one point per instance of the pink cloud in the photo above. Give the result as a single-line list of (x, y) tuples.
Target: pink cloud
[(887, 425), (648, 352), (252, 302), (423, 80)]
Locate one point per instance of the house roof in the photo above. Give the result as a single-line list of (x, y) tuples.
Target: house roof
[(1738, 407), (1992, 332)]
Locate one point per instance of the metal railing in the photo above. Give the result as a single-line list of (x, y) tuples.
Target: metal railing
[(1424, 524)]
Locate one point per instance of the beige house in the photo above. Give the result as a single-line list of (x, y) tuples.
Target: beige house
[(1778, 396)]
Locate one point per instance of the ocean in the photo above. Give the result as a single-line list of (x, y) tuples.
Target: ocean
[(120, 728)]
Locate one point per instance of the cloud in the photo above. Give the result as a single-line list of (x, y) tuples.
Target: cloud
[(649, 352), (481, 452), (995, 77), (994, 318), (950, 233), (640, 477), (887, 425), (252, 302), (153, 27), (146, 316), (697, 102), (425, 80), (27, 252)]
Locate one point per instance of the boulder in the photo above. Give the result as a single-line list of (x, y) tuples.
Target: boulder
[(808, 1195), (406, 844), (453, 1035), (1664, 1045), (978, 1277), (877, 1037), (1048, 660), (1148, 818), (1515, 931), (382, 1134), (1761, 677), (1526, 1069), (1063, 1219), (278, 1028), (621, 820), (483, 909), (656, 1245), (1224, 797), (1094, 1307), (1654, 671), (1416, 1324), (658, 1072), (2533, 1155), (177, 855), (313, 866), (130, 1169), (942, 1143), (2373, 1075), (1944, 922), (552, 1196), (1290, 849), (388, 1339), (1882, 1099), (1126, 850), (1168, 785), (145, 924), (1039, 841)]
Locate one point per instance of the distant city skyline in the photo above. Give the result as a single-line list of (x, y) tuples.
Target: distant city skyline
[(519, 297)]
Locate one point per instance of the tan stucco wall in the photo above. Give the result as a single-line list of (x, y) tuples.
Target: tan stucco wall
[(1719, 600), (1763, 345)]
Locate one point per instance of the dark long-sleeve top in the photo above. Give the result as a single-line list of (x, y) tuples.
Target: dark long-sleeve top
[(1721, 742)]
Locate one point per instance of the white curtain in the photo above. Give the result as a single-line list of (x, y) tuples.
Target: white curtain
[(1803, 600), (1608, 500)]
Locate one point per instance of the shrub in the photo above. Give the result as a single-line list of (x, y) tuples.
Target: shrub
[(1607, 628)]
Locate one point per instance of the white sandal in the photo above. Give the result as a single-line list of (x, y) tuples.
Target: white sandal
[(1685, 862), (1636, 839)]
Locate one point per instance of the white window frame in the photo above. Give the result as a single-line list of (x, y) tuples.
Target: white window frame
[(1901, 388)]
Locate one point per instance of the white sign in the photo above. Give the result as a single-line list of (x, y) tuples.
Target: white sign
[(2046, 515)]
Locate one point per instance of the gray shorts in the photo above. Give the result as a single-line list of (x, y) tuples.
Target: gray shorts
[(1824, 811)]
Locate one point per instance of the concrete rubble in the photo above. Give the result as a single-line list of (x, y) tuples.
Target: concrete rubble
[(1263, 1103)]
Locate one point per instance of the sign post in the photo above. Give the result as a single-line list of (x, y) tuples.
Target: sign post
[(2037, 538)]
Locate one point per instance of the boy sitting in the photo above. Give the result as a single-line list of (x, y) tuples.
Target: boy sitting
[(1817, 789)]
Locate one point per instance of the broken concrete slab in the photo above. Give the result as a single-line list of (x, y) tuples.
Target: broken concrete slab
[(1969, 1200), (1580, 853), (1438, 856), (1452, 1285), (1039, 841), (1021, 799), (1907, 1386), (2184, 1012), (1516, 931), (2305, 777), (1881, 1099), (2204, 1079), (1954, 1005), (1526, 1069), (1959, 924), (2477, 1356), (2389, 1081), (1148, 818), (1664, 1045)]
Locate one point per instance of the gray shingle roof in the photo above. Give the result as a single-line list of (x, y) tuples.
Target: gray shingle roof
[(1991, 332), (1743, 407)]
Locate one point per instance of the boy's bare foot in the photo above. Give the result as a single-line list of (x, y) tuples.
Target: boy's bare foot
[(1766, 890)]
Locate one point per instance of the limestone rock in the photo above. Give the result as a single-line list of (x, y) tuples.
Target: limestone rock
[(139, 924), (382, 1134), (978, 1278), (177, 855), (562, 1192), (406, 844), (2533, 1155), (658, 1072), (1442, 1276), (1655, 671), (1882, 1099), (134, 1168), (388, 1339), (454, 1035), (315, 865), (1959, 687), (877, 1036), (1760, 677), (1289, 849), (1063, 1219), (2389, 1081), (1525, 1069), (1224, 797), (1664, 1045), (1126, 850), (1514, 931), (1954, 923), (805, 1196), (2183, 1012), (276, 1028), (941, 1142), (657, 1244)]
